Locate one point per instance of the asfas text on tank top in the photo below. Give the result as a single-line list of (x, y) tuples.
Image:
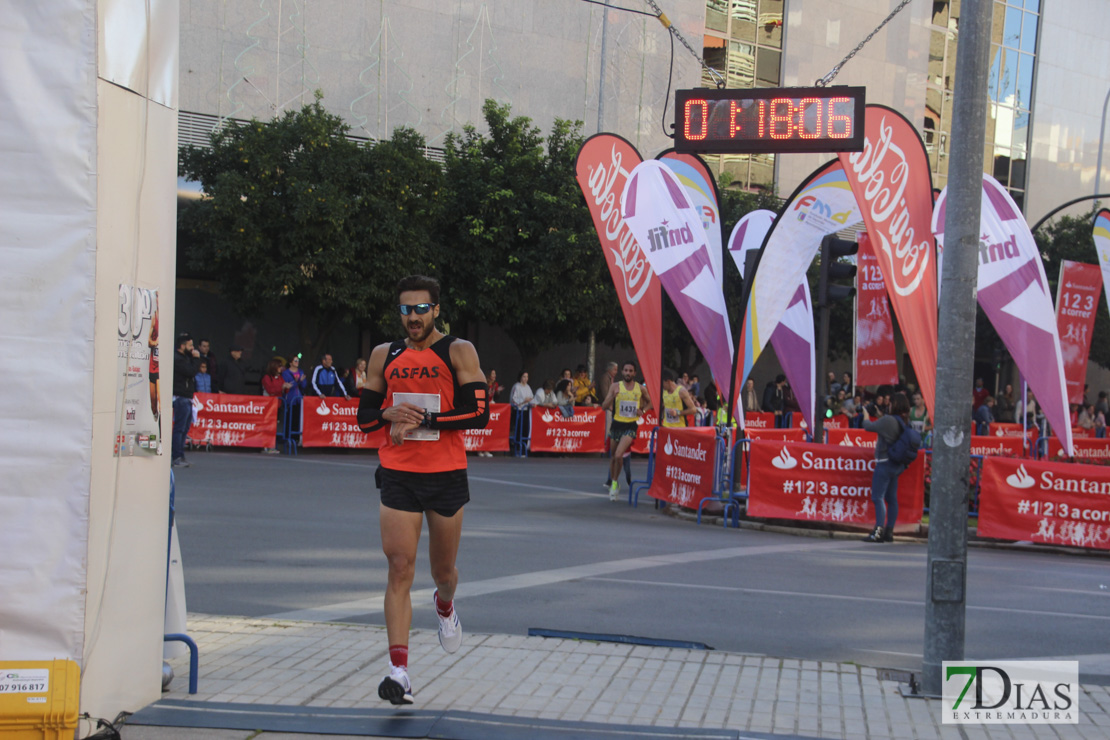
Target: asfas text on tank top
[(423, 371), (672, 409), (626, 406)]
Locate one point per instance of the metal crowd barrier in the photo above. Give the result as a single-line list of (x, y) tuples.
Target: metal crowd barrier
[(290, 435), (520, 439)]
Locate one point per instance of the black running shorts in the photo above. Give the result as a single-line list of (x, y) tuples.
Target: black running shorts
[(444, 493), (620, 429)]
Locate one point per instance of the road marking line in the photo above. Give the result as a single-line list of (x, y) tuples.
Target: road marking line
[(376, 604)]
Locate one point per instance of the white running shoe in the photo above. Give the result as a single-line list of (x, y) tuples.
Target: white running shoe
[(396, 687), (614, 489), (450, 629)]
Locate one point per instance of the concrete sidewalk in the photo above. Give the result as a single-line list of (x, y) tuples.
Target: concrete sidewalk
[(279, 680)]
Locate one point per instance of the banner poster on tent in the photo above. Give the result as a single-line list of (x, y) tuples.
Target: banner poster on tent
[(830, 483), (1077, 297), (138, 384), (1046, 502), (876, 363)]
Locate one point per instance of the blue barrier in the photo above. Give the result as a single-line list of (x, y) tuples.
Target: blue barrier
[(521, 439), (639, 485), (291, 436)]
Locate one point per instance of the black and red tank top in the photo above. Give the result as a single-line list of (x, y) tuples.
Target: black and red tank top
[(423, 371)]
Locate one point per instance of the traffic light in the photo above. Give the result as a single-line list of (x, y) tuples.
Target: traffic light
[(832, 249)]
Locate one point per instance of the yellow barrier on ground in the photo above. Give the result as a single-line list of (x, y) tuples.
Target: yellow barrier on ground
[(38, 699)]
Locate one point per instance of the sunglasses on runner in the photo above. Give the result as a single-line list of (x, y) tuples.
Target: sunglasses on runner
[(419, 308)]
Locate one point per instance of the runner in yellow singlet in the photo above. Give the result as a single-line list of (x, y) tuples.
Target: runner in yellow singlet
[(678, 406), (627, 399)]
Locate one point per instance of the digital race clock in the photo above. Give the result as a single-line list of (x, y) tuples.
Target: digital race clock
[(775, 119)]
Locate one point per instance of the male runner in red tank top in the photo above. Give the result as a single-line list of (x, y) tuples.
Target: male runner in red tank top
[(423, 463)]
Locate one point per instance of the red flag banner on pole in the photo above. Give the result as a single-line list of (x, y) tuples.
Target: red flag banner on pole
[(1046, 502), (1077, 297), (603, 165), (894, 187), (876, 363)]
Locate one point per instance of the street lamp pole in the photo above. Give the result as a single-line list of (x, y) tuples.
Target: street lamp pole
[(1101, 138)]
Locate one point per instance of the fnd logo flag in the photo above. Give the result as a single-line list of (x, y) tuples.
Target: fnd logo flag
[(1025, 692)]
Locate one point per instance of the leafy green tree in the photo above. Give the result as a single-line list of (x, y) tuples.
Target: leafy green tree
[(520, 246), (297, 214)]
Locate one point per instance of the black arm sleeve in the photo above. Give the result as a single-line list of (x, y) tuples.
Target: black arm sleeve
[(471, 409), (370, 410)]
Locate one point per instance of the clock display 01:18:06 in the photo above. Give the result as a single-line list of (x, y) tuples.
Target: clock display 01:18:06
[(770, 120)]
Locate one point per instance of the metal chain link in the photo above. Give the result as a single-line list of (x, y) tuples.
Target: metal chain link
[(832, 73), (674, 32)]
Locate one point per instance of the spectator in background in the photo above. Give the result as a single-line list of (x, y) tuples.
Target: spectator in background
[(274, 385), (919, 415), (774, 398), (359, 374), (545, 395), (203, 379), (1004, 405), (493, 386), (563, 397), (695, 385), (750, 397), (1086, 418), (206, 354), (232, 378), (325, 381), (1102, 405), (607, 380), (884, 481), (347, 378), (585, 394), (846, 384), (832, 385), (272, 382), (566, 374), (978, 394), (882, 403), (1026, 412), (294, 381), (521, 396), (983, 416), (184, 385)]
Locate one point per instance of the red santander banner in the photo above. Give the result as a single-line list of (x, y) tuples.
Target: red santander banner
[(603, 165), (648, 421), (685, 463), (1077, 297), (852, 438), (759, 420), (229, 420), (894, 188), (495, 436), (997, 446), (1087, 449), (333, 422), (831, 483), (1045, 502), (793, 434), (876, 363), (583, 432)]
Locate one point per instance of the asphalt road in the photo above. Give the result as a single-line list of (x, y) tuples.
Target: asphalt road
[(297, 537)]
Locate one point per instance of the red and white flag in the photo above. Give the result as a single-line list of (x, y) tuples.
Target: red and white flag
[(1077, 296), (876, 363), (603, 165)]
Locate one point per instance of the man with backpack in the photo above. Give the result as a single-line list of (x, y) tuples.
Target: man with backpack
[(895, 449)]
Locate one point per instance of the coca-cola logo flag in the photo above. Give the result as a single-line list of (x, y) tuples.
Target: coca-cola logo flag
[(1013, 292), (893, 184), (603, 165), (666, 222)]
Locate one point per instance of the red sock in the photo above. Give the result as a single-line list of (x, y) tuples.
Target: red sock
[(399, 656), (444, 608)]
